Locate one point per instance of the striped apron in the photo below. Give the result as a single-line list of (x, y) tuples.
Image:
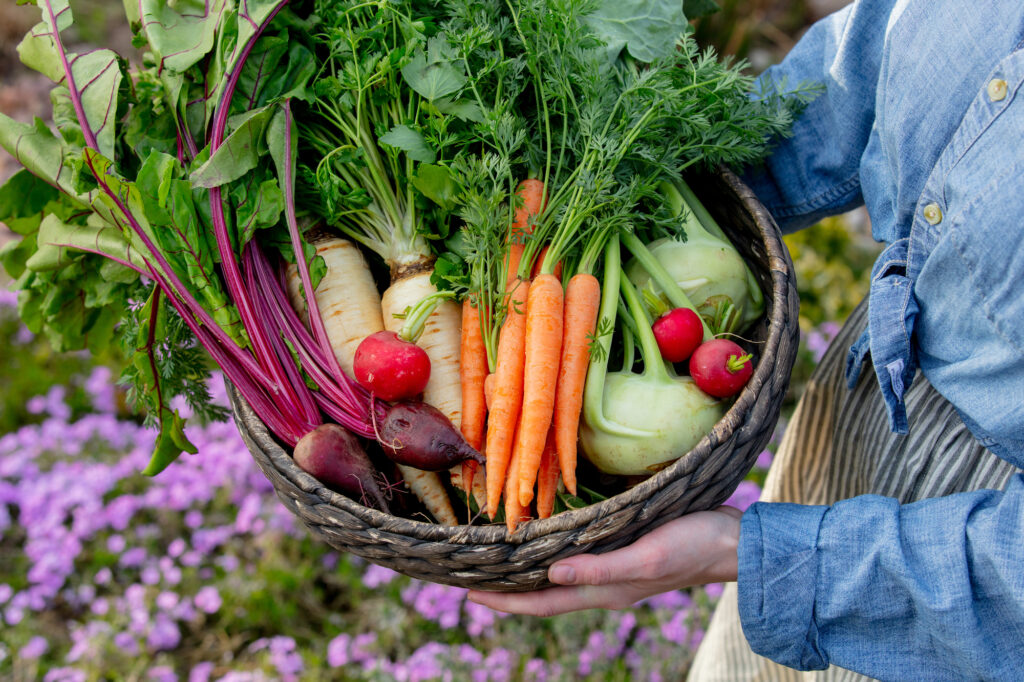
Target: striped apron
[(836, 446)]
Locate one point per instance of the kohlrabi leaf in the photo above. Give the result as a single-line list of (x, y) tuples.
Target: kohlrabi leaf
[(239, 153), (647, 29), (411, 142)]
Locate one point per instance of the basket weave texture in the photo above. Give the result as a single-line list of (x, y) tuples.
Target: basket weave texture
[(487, 556)]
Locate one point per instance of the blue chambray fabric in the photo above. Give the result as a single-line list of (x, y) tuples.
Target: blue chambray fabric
[(922, 121)]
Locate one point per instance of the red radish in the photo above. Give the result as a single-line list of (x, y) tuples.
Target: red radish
[(417, 434), (720, 367), (391, 367), (334, 456), (678, 332)]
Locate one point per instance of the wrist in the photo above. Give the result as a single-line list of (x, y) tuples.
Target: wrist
[(726, 564)]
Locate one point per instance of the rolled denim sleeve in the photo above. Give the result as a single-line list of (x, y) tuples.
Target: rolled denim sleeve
[(933, 588), (816, 172)]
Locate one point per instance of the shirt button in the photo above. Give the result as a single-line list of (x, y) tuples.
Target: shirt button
[(933, 214), (996, 89)]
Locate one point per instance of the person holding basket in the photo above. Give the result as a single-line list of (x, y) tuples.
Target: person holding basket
[(887, 543)]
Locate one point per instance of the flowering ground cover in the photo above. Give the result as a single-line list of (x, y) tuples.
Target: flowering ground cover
[(201, 574)]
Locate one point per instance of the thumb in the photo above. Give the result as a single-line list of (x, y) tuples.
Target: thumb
[(587, 569)]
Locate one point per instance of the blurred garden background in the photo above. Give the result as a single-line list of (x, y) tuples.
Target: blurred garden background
[(201, 574)]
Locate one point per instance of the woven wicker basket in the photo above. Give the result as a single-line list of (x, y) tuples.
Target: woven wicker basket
[(486, 556)]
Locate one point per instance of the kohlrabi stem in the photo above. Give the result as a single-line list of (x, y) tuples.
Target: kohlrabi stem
[(711, 226), (654, 365), (676, 296), (699, 211), (683, 210), (593, 389)]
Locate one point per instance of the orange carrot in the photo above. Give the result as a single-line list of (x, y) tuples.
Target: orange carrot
[(472, 370), (508, 395), (540, 259), (489, 389), (547, 477), (543, 346), (514, 511), (531, 191), (582, 299)]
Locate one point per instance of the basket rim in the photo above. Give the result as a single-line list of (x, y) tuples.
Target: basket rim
[(780, 270)]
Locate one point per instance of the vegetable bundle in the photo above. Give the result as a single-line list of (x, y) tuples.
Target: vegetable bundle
[(276, 184)]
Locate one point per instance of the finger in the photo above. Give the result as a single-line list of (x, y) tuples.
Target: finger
[(552, 601)]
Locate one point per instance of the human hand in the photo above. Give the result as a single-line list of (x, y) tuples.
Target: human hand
[(695, 549)]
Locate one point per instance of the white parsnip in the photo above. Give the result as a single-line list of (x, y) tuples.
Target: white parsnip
[(428, 489), (440, 339), (347, 296)]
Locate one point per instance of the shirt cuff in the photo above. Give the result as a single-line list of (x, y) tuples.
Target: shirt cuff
[(777, 580)]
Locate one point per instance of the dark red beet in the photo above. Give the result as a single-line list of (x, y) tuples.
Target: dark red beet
[(334, 456), (419, 435)]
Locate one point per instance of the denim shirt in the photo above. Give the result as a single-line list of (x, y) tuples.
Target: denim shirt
[(921, 121)]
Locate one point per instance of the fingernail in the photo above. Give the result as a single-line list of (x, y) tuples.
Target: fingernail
[(563, 575)]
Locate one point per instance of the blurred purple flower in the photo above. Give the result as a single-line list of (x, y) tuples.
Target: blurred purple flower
[(337, 651), (536, 670), (13, 615), (283, 655), (100, 607), (675, 630), (208, 599), (441, 604), (818, 340), (5, 592), (746, 494), (167, 600), (163, 634), (424, 663), (162, 673), (375, 575), (481, 619), (714, 590), (126, 642), (65, 675), (201, 672), (676, 599), (34, 648), (193, 519), (100, 387), (467, 653)]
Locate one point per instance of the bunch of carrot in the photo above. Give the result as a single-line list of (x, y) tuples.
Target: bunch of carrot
[(525, 415)]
